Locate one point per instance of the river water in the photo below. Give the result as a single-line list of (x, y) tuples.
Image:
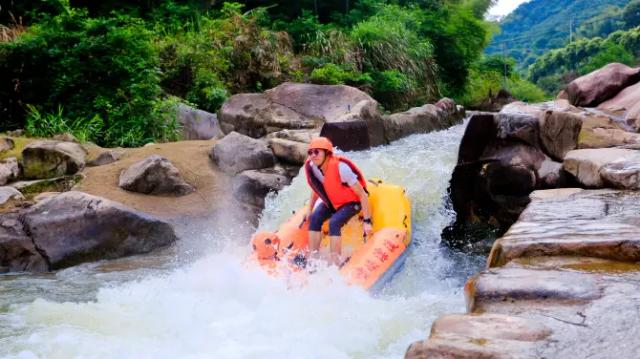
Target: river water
[(200, 299)]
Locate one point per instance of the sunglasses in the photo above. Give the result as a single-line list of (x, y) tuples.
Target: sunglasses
[(313, 152)]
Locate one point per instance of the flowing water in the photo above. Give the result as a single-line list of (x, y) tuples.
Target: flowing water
[(214, 305)]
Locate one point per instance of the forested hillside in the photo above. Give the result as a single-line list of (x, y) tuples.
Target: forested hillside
[(111, 71), (538, 26)]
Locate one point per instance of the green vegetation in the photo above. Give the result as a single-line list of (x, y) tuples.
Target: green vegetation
[(112, 71), (538, 26), (492, 73), (558, 67)]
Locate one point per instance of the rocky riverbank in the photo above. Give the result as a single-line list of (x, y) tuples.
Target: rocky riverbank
[(563, 280), (121, 200)]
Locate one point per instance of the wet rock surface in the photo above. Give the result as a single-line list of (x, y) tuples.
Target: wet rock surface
[(154, 175), (594, 223), (568, 270)]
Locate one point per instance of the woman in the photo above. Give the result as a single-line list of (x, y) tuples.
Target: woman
[(338, 192)]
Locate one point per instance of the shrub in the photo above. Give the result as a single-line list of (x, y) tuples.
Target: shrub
[(526, 91), (106, 67), (51, 124)]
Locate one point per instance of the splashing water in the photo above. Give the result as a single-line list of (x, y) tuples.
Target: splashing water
[(220, 306)]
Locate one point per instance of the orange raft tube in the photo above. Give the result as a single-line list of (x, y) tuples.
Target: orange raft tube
[(372, 261)]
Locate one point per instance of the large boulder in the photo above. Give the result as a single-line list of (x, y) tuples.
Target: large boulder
[(499, 164), (198, 124), (9, 170), (300, 106), (422, 119), (236, 153), (596, 87), (75, 227), (154, 175), (49, 159), (253, 186), (17, 251)]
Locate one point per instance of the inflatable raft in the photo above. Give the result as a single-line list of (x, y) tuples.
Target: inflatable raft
[(371, 261)]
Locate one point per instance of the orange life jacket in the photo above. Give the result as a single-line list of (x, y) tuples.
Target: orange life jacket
[(333, 191)]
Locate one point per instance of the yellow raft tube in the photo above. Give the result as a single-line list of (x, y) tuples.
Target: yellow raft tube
[(372, 261)]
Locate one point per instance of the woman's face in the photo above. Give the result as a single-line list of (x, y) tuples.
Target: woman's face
[(317, 156)]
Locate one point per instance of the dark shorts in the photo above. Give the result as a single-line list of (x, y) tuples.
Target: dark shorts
[(337, 219)]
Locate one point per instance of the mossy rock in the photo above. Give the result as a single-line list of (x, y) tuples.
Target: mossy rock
[(30, 189)]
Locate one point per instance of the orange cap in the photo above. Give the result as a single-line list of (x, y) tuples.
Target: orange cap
[(321, 143), (265, 244)]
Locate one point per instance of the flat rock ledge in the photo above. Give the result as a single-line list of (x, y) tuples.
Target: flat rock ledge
[(563, 282)]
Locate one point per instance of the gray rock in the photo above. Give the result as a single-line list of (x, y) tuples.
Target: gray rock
[(236, 153), (75, 227), (9, 170), (586, 164), (154, 175), (65, 137), (300, 106), (422, 119), (559, 132), (16, 133), (105, 158), (289, 151), (253, 186), (17, 251), (520, 121), (255, 115), (6, 143), (48, 159), (623, 173), (9, 194), (304, 136), (198, 124), (517, 284)]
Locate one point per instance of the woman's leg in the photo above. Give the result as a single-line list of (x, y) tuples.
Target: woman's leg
[(337, 221), (318, 216)]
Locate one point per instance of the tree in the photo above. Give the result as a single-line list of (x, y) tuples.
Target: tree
[(631, 14)]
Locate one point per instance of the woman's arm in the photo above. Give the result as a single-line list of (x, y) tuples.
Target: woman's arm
[(364, 203)]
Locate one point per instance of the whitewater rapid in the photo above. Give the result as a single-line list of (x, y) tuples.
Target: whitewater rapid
[(218, 306)]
